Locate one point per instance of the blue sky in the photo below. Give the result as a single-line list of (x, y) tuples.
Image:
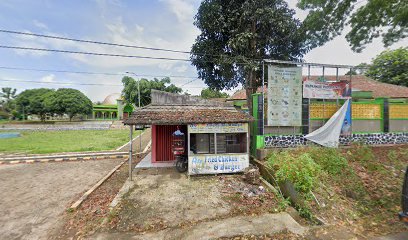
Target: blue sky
[(161, 23)]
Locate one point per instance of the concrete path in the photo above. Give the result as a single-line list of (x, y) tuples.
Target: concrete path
[(34, 195), (78, 156), (266, 224), (398, 236)]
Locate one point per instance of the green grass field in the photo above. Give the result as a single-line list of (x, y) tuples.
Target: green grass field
[(33, 142)]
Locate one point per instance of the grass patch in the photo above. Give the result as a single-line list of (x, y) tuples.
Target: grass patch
[(359, 187), (37, 142)]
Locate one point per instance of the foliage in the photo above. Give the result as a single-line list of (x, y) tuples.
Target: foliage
[(364, 155), (209, 93), (34, 101), (301, 170), (7, 104), (130, 89), (235, 34), (329, 159), (375, 19), (4, 114), (34, 142), (360, 69), (69, 101), (7, 94), (390, 67)]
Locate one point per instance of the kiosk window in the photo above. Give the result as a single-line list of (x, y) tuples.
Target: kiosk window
[(231, 143), (202, 143)]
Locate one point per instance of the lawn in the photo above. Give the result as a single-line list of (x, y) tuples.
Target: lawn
[(33, 142)]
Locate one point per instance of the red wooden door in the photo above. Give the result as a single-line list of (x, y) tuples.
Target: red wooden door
[(163, 140)]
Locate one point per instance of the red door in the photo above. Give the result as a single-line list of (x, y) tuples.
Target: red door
[(161, 142)]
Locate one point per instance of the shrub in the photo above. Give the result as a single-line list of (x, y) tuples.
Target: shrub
[(329, 159), (301, 170)]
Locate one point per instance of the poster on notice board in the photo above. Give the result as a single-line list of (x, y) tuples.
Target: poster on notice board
[(284, 96)]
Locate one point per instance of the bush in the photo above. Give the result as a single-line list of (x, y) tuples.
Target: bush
[(301, 170), (329, 159)]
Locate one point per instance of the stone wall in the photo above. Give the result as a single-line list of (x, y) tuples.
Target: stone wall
[(289, 141)]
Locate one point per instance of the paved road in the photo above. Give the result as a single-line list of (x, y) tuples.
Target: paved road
[(32, 196)]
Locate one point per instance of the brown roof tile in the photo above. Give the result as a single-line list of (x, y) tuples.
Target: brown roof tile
[(173, 115)]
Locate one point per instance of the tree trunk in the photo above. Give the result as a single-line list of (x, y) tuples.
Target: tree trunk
[(251, 84), (250, 89)]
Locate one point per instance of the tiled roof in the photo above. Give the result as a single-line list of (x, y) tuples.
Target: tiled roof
[(241, 94), (186, 114), (358, 82)]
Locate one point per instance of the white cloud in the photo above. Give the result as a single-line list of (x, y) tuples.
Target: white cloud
[(181, 69), (183, 9), (39, 24), (48, 78)]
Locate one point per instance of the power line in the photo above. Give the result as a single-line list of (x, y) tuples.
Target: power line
[(112, 44), (67, 83), (103, 54), (59, 83), (93, 53), (189, 82), (90, 73), (94, 42), (116, 44)]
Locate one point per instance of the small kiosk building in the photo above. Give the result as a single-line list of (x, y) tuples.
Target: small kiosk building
[(217, 133)]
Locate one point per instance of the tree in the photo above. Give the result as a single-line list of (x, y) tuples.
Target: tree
[(390, 67), (130, 89), (209, 93), (386, 19), (7, 105), (69, 101), (34, 101), (236, 34), (360, 69)]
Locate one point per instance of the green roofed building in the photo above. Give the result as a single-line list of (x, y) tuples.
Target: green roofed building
[(112, 108)]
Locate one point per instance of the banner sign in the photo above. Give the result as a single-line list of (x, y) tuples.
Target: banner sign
[(346, 128), (284, 96), (215, 164), (218, 127), (326, 90)]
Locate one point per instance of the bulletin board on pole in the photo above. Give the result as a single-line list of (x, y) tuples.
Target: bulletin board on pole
[(284, 96)]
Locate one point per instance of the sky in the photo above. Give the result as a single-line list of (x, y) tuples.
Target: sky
[(150, 23)]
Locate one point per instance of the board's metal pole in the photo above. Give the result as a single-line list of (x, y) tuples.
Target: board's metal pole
[(130, 152), (308, 107), (351, 102), (263, 97), (337, 79)]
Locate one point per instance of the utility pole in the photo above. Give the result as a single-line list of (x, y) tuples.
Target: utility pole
[(140, 136)]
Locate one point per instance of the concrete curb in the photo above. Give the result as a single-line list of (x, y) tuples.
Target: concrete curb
[(99, 183), (64, 158)]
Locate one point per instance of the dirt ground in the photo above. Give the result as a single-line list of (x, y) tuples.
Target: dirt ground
[(33, 196), (163, 198)]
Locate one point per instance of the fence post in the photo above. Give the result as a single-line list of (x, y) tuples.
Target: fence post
[(386, 115), (305, 115)]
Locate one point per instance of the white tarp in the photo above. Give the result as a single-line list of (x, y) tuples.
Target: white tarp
[(328, 135)]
